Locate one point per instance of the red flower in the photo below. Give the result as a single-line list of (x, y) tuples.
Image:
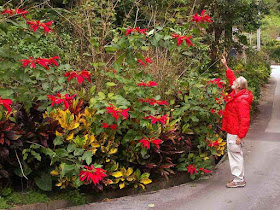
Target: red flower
[(202, 18), (147, 60), (58, 99), (152, 101), (6, 103), (36, 24), (92, 174), (81, 76), (115, 112), (217, 82), (205, 170), (146, 142), (137, 30), (213, 111), (180, 39), (45, 62), (191, 169), (16, 11), (148, 84), (155, 119), (105, 125), (112, 126), (213, 143), (30, 61)]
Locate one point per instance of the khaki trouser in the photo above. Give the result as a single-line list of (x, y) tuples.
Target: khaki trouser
[(235, 156)]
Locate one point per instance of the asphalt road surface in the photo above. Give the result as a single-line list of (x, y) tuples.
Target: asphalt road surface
[(262, 172)]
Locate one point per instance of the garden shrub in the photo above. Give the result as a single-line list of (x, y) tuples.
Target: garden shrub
[(110, 127)]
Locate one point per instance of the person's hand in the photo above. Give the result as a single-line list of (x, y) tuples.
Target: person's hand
[(238, 140), (224, 61)]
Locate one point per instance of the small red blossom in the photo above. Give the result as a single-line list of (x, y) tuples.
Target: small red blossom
[(213, 143), (31, 61), (155, 119), (59, 99), (152, 101), (137, 30), (112, 126), (205, 170), (180, 39), (146, 142), (191, 169), (6, 103), (34, 25), (202, 18), (115, 112), (148, 84), (144, 63), (16, 11), (213, 111), (80, 76), (92, 174), (217, 82)]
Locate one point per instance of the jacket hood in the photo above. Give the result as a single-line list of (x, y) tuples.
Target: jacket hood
[(245, 95)]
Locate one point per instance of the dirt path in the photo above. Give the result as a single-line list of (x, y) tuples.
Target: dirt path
[(262, 172)]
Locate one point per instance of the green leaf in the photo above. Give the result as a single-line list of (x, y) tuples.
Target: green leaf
[(44, 182), (110, 84), (87, 156), (110, 49), (78, 152), (101, 95), (61, 152), (71, 147), (58, 140), (36, 155)]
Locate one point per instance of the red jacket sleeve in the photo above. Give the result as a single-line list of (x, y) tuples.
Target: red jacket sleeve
[(243, 110), (230, 76)]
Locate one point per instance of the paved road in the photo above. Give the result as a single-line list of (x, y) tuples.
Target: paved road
[(262, 171)]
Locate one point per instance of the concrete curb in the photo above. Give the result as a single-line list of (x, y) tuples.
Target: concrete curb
[(175, 180)]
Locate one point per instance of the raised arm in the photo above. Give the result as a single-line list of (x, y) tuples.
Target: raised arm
[(229, 72)]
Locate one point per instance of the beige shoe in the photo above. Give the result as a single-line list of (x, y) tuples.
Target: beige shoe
[(233, 184)]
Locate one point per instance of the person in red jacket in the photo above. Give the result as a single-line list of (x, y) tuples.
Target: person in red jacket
[(236, 122)]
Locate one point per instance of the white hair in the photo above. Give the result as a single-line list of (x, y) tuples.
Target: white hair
[(240, 83)]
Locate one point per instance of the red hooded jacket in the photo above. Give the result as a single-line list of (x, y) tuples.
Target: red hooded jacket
[(236, 118)]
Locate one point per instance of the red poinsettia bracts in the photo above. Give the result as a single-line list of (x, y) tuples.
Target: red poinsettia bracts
[(34, 25), (148, 84), (137, 30), (206, 171), (202, 18), (6, 103), (217, 82), (59, 99), (155, 119), (213, 143), (152, 101), (80, 76), (45, 62), (92, 174), (112, 126), (146, 142), (144, 63), (31, 61), (191, 169), (16, 11), (180, 39), (116, 112)]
